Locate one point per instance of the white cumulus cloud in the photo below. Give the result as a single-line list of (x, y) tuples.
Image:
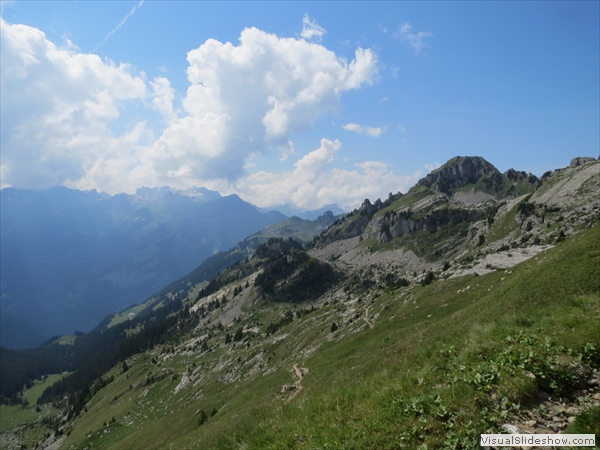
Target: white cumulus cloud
[(359, 129), (315, 182), (67, 117), (57, 104), (249, 98)]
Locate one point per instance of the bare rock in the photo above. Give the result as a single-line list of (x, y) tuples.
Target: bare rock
[(581, 160), (458, 172), (553, 426), (511, 429)]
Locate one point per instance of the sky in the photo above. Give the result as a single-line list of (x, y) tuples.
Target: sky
[(302, 104)]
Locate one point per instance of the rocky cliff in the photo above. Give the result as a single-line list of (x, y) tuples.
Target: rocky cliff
[(465, 209)]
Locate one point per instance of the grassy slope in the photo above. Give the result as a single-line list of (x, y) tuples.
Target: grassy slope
[(415, 194), (34, 392), (119, 318), (373, 388), (15, 416)]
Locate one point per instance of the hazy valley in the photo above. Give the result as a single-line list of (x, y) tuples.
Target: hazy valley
[(71, 257)]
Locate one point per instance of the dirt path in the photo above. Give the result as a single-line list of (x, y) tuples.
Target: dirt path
[(297, 383), (367, 318)]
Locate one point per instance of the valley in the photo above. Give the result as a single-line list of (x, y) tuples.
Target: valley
[(468, 305)]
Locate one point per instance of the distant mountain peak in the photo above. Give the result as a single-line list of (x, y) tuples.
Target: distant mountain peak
[(458, 172)]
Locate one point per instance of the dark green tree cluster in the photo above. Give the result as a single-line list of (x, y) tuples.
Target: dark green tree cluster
[(293, 276), (239, 335), (428, 279), (287, 318), (276, 246), (211, 306), (278, 267), (394, 281)]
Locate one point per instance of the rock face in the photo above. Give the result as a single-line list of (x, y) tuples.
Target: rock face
[(467, 205), (459, 172), (581, 160)]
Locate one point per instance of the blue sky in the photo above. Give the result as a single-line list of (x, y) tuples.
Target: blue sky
[(293, 103)]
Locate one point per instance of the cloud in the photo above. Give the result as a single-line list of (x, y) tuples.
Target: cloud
[(315, 182), (119, 25), (249, 99), (401, 128), (163, 98), (359, 129), (57, 105), (414, 40), (286, 151), (310, 29)]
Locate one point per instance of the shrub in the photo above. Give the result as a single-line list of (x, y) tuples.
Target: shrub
[(428, 278), (202, 418), (239, 335)]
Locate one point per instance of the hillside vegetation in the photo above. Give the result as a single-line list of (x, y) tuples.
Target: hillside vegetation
[(418, 322)]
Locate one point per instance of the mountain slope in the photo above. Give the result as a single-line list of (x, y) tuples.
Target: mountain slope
[(418, 334), (441, 353), (299, 230), (70, 257)]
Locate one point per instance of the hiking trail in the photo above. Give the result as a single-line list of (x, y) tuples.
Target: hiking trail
[(367, 318), (300, 372)]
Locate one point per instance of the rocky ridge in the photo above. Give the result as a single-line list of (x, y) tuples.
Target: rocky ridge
[(451, 217)]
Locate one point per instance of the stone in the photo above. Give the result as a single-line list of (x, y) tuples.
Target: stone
[(511, 429), (531, 423), (581, 160)]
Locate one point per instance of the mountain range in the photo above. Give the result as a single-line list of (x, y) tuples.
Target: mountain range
[(70, 257), (467, 305)]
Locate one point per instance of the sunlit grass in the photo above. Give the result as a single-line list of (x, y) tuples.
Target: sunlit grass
[(436, 369)]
